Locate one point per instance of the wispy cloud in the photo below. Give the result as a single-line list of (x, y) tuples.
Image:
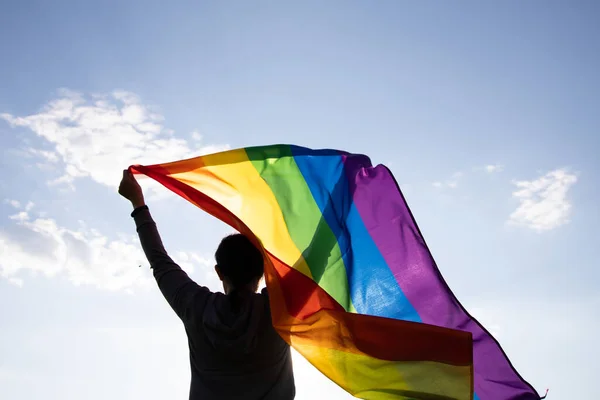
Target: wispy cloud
[(493, 168), (451, 183), (91, 137), (83, 255), (489, 168), (16, 281), (97, 136), (543, 201), (13, 203), (196, 136)]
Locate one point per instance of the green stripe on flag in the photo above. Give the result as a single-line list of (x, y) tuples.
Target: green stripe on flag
[(304, 220)]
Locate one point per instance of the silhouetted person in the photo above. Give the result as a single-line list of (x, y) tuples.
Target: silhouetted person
[(235, 353)]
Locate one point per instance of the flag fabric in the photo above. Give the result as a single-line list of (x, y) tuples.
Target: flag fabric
[(353, 286)]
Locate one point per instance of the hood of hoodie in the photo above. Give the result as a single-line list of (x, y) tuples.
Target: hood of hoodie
[(234, 330)]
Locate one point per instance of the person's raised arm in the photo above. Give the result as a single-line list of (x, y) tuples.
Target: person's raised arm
[(177, 287)]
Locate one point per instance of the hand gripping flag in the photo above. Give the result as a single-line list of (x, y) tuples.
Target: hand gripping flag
[(353, 286)]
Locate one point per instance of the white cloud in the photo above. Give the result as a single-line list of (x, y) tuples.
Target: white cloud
[(492, 168), (49, 156), (543, 202), (84, 256), (451, 183), (92, 137), (100, 135), (196, 136), (20, 216), (13, 203), (16, 281)]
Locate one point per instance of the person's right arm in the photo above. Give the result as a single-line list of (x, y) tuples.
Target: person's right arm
[(181, 292)]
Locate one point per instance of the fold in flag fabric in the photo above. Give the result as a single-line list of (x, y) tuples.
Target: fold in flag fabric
[(353, 286)]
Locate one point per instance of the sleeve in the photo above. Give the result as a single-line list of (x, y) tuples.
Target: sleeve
[(181, 292)]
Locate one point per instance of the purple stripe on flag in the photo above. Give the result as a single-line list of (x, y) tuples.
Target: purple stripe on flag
[(392, 227)]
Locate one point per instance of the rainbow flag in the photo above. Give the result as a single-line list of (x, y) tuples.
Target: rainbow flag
[(353, 286)]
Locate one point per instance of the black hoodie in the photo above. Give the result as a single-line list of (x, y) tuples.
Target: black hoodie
[(235, 353)]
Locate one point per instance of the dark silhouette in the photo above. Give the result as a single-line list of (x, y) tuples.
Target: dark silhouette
[(235, 353)]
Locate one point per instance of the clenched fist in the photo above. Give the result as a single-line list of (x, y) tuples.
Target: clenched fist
[(131, 189)]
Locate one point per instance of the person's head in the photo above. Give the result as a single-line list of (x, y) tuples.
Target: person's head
[(240, 264)]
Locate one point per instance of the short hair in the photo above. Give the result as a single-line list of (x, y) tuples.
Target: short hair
[(239, 260)]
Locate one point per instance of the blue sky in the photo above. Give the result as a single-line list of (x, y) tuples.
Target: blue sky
[(486, 112)]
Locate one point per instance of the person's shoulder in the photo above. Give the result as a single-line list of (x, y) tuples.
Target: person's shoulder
[(264, 293), (214, 296), (204, 296), (264, 296)]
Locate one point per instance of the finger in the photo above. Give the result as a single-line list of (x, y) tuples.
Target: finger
[(129, 174)]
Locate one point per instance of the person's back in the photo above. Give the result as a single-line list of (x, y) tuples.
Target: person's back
[(235, 353)]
